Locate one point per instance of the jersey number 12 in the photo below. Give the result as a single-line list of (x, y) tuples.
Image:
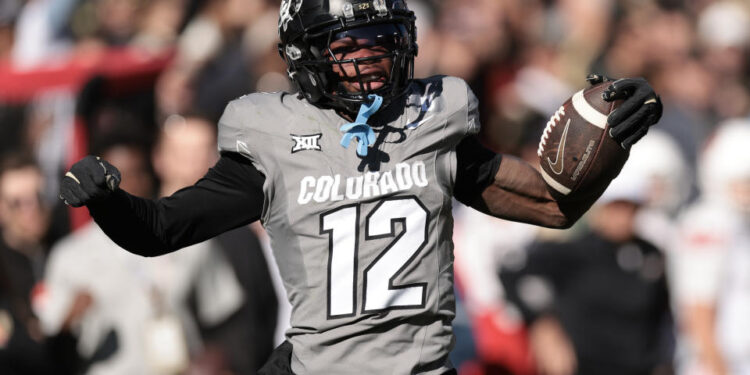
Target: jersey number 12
[(342, 228)]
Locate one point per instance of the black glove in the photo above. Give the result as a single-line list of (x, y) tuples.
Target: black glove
[(89, 180), (640, 109)]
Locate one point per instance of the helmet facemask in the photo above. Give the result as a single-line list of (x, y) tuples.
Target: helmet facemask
[(388, 41), (314, 65)]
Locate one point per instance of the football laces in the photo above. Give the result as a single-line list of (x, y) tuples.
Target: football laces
[(548, 129)]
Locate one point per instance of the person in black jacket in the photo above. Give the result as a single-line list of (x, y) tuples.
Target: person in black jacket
[(24, 232), (597, 304)]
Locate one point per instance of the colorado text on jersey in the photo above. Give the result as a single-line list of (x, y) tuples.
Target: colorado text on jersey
[(369, 185)]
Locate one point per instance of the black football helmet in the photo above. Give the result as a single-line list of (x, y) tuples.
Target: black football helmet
[(308, 27)]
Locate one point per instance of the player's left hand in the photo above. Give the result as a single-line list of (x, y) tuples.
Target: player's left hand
[(641, 108), (89, 180)]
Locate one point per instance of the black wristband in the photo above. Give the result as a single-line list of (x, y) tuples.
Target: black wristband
[(476, 169)]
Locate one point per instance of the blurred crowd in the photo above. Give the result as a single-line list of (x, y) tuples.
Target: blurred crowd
[(654, 280)]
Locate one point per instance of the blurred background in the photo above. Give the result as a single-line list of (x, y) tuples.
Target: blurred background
[(654, 280)]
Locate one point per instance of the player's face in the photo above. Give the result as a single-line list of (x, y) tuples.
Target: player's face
[(615, 220), (23, 215), (374, 44), (374, 73)]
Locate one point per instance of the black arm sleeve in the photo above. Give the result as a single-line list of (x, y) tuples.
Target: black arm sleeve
[(228, 196), (476, 169)]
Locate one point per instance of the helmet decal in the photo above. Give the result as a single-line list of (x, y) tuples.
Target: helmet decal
[(288, 9)]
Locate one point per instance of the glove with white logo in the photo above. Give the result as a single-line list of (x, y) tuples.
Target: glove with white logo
[(89, 180), (641, 108)]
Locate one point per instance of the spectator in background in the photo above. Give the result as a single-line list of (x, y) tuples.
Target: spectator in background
[(723, 35), (667, 176), (184, 152), (492, 245), (8, 13), (597, 304), (485, 245), (24, 220), (38, 33), (147, 25), (712, 259), (136, 317), (212, 65)]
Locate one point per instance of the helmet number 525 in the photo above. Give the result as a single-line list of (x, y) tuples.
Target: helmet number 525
[(380, 292)]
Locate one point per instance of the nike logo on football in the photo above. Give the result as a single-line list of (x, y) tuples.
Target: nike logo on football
[(557, 165)]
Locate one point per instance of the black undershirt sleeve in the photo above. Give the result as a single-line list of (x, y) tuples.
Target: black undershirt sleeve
[(476, 170), (228, 196)]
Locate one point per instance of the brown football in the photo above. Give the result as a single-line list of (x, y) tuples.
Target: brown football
[(577, 156)]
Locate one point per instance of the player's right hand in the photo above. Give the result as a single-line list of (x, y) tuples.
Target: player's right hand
[(89, 180), (641, 108)]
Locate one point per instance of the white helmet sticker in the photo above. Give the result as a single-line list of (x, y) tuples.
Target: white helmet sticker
[(287, 11)]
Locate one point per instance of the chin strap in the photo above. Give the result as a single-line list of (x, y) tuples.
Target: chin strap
[(359, 128)]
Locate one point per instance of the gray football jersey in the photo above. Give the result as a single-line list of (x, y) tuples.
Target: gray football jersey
[(363, 244)]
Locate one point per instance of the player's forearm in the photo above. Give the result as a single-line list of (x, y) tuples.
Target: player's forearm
[(133, 224), (229, 196), (520, 193)]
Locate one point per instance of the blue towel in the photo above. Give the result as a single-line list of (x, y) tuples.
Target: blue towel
[(359, 128)]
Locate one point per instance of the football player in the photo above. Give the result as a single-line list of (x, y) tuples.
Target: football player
[(353, 178)]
